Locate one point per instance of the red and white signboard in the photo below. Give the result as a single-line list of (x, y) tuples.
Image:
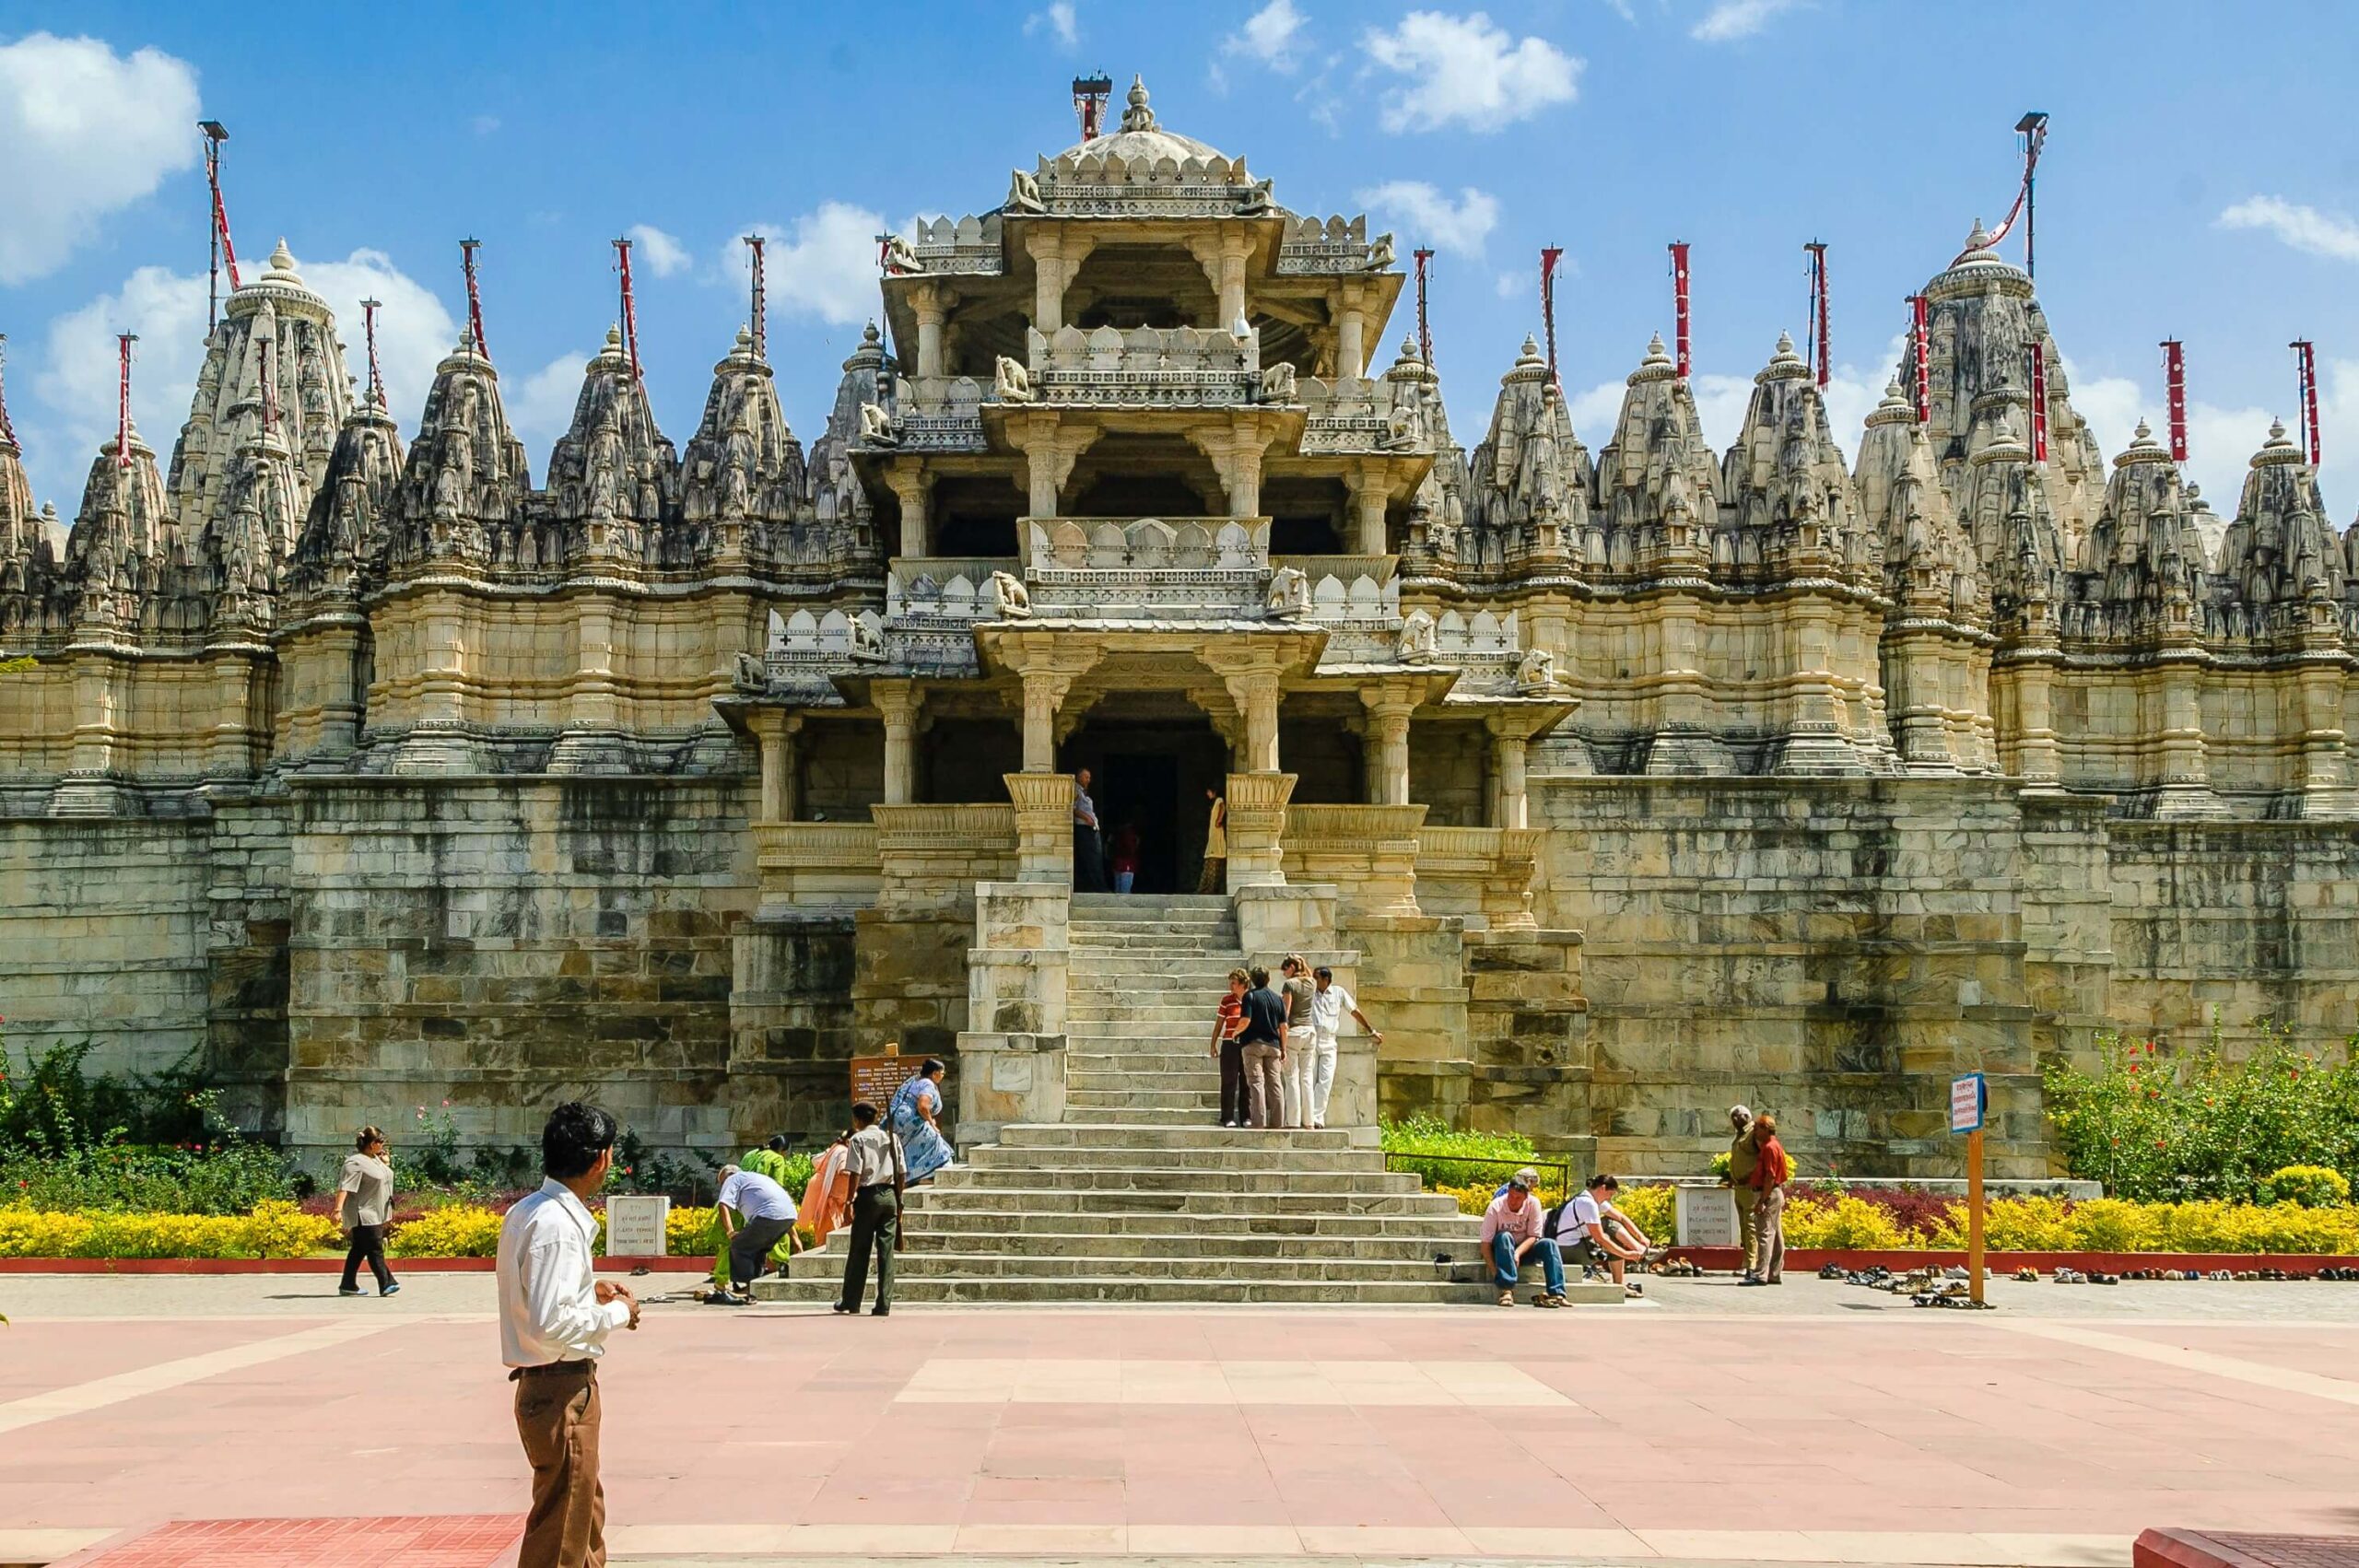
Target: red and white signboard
[(1966, 1103)]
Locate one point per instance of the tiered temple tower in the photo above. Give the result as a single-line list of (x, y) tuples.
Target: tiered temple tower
[(1625, 777)]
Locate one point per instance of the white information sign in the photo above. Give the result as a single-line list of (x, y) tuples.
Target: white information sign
[(1706, 1216), (635, 1225), (1965, 1103)]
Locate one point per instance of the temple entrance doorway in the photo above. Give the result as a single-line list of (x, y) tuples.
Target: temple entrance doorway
[(1151, 773)]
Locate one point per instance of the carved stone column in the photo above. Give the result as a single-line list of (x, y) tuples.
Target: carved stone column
[(1351, 334), (1251, 675), (1051, 447), (1508, 742), (1235, 453), (1388, 719), (775, 730), (1222, 256), (1057, 254), (1257, 822), (899, 704), (930, 303), (1370, 490), (1043, 826), (1047, 671), (914, 487)]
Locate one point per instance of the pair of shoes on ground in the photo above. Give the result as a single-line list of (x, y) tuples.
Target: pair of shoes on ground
[(1757, 1280), (393, 1289), (1544, 1299), (842, 1311)]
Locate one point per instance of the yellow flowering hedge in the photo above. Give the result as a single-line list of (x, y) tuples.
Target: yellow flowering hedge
[(282, 1230), (1824, 1221), (272, 1230)]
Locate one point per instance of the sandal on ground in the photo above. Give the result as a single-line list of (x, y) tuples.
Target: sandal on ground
[(1545, 1300), (1507, 1298)]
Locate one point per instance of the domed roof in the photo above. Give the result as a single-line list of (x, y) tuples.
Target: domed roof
[(1139, 137)]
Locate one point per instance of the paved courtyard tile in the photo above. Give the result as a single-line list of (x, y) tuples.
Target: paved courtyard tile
[(1679, 1431)]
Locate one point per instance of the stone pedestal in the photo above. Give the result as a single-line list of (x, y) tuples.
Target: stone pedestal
[(1013, 1055), (1257, 822), (1044, 826)]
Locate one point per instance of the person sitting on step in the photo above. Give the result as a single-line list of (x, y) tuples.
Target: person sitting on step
[(1512, 1232), (1589, 1231)]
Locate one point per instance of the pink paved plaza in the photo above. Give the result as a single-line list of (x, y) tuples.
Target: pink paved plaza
[(1677, 1431)]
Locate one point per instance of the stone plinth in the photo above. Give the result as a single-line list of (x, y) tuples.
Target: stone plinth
[(1257, 825), (1043, 827), (817, 865), (931, 857), (1368, 853)]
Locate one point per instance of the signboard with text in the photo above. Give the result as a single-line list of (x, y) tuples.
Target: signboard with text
[(1967, 1097), (635, 1225), (876, 1079), (1706, 1216)]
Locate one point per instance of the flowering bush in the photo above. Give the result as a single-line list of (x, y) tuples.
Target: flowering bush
[(2155, 1123), (2312, 1187), (273, 1230), (455, 1231), (1430, 1148)]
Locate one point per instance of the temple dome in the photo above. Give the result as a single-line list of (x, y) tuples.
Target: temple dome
[(1138, 138)]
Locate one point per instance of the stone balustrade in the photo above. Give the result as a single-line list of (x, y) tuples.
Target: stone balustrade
[(1367, 853), (1143, 367), (940, 414), (1313, 246), (931, 857), (1484, 874), (950, 589), (969, 246), (1099, 544), (816, 866)]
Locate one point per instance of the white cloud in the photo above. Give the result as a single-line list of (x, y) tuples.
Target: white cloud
[(1513, 286), (87, 132), (1622, 9), (1058, 20), (661, 253), (483, 124), (1272, 35), (540, 405), (1732, 19), (2304, 228), (77, 379), (825, 266), (1466, 71), (1461, 227)]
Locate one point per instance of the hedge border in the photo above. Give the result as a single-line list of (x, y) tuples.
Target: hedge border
[(1811, 1258), (666, 1265)]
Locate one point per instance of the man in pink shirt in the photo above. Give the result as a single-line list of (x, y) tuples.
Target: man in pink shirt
[(1512, 1233)]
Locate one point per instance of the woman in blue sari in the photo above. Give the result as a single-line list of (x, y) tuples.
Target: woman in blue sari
[(917, 1110)]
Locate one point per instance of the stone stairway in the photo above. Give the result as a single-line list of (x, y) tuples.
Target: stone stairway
[(1138, 1195)]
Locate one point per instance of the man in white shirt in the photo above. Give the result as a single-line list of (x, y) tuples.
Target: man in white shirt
[(1329, 1005), (754, 1213), (874, 1175), (554, 1319), (1584, 1236)]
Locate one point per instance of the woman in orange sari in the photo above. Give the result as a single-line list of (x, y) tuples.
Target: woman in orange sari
[(823, 1208)]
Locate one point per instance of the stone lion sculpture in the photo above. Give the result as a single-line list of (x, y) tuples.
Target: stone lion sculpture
[(1416, 644), (1011, 382), (876, 426), (1535, 673)]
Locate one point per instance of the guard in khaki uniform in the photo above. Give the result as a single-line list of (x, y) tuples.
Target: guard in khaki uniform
[(1745, 1157), (875, 1176)]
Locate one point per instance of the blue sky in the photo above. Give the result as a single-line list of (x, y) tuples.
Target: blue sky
[(2200, 180)]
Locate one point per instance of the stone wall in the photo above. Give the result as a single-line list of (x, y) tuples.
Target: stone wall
[(1832, 951), (506, 944)]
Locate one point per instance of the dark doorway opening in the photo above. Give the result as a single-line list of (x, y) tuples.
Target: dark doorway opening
[(1151, 775)]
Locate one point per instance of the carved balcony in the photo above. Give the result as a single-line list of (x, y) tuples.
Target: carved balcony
[(1146, 367), (1367, 853), (1484, 874), (816, 867), (930, 857)]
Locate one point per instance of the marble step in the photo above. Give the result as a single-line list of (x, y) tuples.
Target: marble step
[(1141, 945), (966, 1289), (1112, 1094), (1094, 906), (1178, 1178), (1091, 1135), (999, 1156), (1181, 1013), (827, 1262), (1443, 1229), (1232, 1205), (1459, 1248), (1144, 1028), (1149, 1066)]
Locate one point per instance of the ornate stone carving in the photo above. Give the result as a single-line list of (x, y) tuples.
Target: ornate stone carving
[(1009, 600), (1289, 597)]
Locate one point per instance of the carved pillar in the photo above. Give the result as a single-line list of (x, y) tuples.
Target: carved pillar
[(914, 487), (1508, 742), (776, 730), (1370, 489), (1257, 820), (1351, 323), (1251, 677), (1388, 719), (898, 703), (1057, 254), (928, 302), (1223, 257), (2036, 759), (1043, 826), (1236, 455), (1050, 448), (1047, 671)]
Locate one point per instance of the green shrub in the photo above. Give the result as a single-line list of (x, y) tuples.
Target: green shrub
[(1443, 1156), (2157, 1124), (124, 1178), (2312, 1187), (52, 1105)]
